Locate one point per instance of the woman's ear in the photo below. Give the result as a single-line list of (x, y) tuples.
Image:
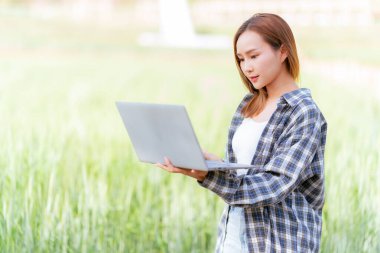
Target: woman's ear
[(283, 53)]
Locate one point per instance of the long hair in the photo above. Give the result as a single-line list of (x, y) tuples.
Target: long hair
[(276, 32)]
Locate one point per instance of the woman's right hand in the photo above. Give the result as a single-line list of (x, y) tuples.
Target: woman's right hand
[(209, 156), (200, 175)]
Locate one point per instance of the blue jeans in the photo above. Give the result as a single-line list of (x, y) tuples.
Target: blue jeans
[(236, 239)]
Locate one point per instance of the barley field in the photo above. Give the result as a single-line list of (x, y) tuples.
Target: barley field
[(71, 182)]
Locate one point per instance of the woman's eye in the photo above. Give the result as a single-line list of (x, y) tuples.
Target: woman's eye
[(240, 60), (253, 56)]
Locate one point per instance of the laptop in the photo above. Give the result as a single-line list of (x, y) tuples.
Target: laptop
[(159, 130)]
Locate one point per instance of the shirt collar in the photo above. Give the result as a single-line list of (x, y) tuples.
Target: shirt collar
[(292, 97), (295, 96)]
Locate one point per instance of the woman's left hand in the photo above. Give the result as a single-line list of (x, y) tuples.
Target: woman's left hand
[(200, 175)]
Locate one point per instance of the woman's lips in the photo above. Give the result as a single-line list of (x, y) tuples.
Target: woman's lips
[(254, 78)]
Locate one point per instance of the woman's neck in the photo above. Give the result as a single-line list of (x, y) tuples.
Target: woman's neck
[(282, 84)]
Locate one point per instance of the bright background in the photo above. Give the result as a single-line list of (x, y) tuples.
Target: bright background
[(69, 178)]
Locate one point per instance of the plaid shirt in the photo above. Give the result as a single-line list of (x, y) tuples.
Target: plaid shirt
[(283, 195)]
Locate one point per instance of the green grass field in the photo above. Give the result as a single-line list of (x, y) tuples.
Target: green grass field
[(70, 181)]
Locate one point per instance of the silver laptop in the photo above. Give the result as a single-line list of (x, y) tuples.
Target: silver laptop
[(159, 130)]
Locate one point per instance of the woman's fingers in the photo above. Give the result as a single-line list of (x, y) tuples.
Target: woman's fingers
[(168, 166), (161, 166), (165, 167), (168, 162)]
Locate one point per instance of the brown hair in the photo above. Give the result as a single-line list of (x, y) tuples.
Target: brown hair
[(276, 32)]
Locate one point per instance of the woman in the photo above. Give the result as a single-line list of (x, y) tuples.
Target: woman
[(277, 205)]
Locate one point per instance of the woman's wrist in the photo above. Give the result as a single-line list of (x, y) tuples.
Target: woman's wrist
[(201, 178)]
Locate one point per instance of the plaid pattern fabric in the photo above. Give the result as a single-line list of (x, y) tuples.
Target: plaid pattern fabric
[(283, 195)]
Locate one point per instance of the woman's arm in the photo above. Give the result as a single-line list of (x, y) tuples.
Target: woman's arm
[(280, 175)]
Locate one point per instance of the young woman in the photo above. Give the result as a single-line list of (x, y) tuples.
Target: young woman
[(277, 205)]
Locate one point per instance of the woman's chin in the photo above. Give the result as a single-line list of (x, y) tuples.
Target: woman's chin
[(257, 86)]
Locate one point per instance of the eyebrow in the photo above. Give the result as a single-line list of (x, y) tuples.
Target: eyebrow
[(249, 51)]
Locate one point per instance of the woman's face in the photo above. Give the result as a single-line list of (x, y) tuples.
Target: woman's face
[(260, 63)]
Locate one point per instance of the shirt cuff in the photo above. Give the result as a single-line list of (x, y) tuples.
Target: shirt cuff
[(211, 178), (207, 179)]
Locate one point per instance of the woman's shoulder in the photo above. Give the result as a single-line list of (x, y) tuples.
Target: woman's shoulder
[(307, 109)]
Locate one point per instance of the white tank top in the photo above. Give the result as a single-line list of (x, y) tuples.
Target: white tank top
[(245, 141)]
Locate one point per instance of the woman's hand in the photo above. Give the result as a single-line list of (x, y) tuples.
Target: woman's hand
[(200, 175), (209, 156)]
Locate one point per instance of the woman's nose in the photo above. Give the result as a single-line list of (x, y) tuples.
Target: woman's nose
[(247, 67)]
